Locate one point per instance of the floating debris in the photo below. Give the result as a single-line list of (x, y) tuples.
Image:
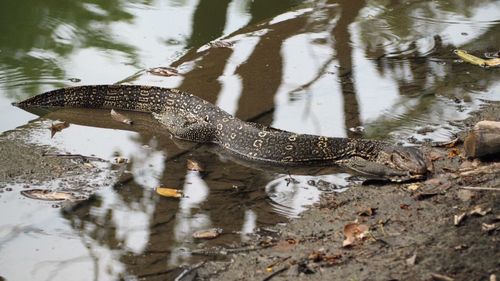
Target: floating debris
[(169, 192), (221, 44), (194, 165), (57, 127), (210, 233), (50, 195), (121, 118), (121, 160), (163, 71), (476, 60)]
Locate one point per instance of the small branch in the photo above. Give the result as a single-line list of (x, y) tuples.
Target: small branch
[(281, 270), (480, 188)]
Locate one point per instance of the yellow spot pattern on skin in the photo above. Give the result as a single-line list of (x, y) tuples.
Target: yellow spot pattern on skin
[(262, 134), (257, 143), (227, 145), (292, 137), (322, 144), (225, 119), (219, 127), (170, 102), (287, 159), (233, 136), (289, 147)]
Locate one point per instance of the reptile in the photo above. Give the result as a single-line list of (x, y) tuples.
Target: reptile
[(191, 118)]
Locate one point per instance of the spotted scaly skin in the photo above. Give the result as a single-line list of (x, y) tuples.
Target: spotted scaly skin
[(191, 118)]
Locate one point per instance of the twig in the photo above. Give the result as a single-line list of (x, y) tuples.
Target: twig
[(283, 269), (480, 188), (83, 157)]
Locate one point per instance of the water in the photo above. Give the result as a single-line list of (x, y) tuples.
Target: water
[(320, 67)]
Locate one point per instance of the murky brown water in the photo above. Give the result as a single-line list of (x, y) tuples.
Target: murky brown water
[(375, 69)]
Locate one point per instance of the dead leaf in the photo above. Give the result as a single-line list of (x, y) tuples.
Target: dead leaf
[(164, 71), (414, 186), (367, 212), (210, 233), (478, 210), (285, 245), (440, 277), (404, 206), (220, 44), (433, 156), (57, 127), (193, 165), (453, 153), (492, 62), (488, 227), (169, 192), (121, 118), (353, 232), (457, 219), (49, 195), (121, 160), (411, 260)]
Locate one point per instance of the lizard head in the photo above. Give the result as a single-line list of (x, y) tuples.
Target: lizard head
[(409, 160)]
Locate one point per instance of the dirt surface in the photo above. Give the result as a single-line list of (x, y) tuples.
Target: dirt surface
[(439, 229)]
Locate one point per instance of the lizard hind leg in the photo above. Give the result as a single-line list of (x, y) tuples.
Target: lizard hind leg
[(186, 126)]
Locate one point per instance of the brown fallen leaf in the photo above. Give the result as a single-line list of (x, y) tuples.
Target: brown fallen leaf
[(193, 165), (57, 127), (285, 245), (488, 227), (478, 210), (49, 195), (453, 153), (210, 233), (169, 192), (163, 71), (368, 212), (411, 260), (121, 118), (353, 232), (457, 219)]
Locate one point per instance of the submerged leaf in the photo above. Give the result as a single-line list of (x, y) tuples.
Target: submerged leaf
[(57, 127), (120, 117), (193, 165), (169, 192), (210, 233), (49, 195)]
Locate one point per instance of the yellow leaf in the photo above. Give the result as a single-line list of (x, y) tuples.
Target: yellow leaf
[(169, 192)]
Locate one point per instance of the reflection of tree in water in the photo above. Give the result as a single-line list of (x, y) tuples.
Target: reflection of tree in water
[(412, 52), (55, 29)]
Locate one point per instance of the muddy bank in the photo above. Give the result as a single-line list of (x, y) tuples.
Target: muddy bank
[(433, 230)]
